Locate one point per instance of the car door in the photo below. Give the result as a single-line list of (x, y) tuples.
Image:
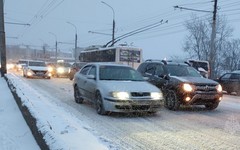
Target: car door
[(234, 81), (25, 68), (90, 83), (224, 80), (81, 79)]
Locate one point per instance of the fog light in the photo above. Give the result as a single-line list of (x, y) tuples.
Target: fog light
[(29, 74), (187, 99), (220, 98)]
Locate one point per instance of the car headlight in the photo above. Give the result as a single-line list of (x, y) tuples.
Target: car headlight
[(50, 69), (19, 66), (156, 95), (187, 87), (29, 72), (60, 70), (219, 88), (121, 95)]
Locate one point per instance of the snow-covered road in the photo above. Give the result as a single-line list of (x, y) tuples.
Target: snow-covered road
[(188, 128)]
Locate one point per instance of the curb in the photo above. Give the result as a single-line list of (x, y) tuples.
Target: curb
[(30, 120)]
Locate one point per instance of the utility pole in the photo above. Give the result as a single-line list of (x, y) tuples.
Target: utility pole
[(113, 30), (56, 51), (212, 48), (75, 50), (56, 45), (2, 41)]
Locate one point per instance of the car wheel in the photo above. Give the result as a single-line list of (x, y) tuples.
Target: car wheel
[(212, 106), (238, 93), (99, 104), (77, 95), (172, 101), (71, 78)]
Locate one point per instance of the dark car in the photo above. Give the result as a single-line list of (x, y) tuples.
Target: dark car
[(75, 68), (61, 69), (230, 82), (181, 84)]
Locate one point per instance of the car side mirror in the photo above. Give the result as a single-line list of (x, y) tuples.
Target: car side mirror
[(145, 78), (91, 77), (166, 77)]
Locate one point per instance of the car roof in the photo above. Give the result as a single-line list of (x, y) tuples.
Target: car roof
[(236, 71), (35, 61), (107, 64), (167, 62)]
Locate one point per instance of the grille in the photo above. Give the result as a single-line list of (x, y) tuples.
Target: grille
[(39, 72), (140, 94), (206, 88)]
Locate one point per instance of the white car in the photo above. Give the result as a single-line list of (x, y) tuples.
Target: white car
[(116, 88), (36, 69)]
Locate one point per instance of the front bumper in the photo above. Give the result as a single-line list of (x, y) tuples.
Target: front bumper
[(146, 105), (39, 74), (202, 98)]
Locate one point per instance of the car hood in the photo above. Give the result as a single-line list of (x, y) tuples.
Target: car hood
[(194, 80), (129, 86), (38, 68)]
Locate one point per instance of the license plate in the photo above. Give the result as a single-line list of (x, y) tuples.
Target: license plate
[(39, 73)]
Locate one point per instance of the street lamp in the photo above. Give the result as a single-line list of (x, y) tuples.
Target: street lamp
[(113, 31), (75, 51), (56, 52)]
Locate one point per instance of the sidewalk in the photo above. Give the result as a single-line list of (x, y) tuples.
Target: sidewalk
[(53, 126), (14, 132)]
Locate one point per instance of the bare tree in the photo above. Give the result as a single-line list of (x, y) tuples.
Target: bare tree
[(231, 55), (197, 43)]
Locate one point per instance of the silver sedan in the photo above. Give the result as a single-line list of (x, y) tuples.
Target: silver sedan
[(115, 88)]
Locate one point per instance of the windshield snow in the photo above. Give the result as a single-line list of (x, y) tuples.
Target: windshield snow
[(119, 73), (182, 70), (40, 64)]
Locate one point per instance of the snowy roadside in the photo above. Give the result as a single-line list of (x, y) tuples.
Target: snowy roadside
[(58, 128), (14, 132)]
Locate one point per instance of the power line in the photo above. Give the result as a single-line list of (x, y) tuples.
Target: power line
[(191, 9), (196, 3)]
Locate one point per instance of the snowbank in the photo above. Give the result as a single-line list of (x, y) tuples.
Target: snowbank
[(52, 126), (14, 132)]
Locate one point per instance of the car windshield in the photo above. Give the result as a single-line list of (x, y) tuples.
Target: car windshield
[(182, 70), (22, 62), (119, 73), (63, 65), (33, 63)]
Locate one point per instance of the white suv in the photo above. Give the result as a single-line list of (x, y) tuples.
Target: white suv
[(36, 69)]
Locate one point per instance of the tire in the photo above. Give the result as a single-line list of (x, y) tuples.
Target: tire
[(172, 102), (212, 106), (99, 104), (238, 93), (71, 78), (77, 95)]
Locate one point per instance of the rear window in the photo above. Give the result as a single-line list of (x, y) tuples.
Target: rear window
[(197, 65)]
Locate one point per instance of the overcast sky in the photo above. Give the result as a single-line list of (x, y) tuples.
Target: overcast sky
[(166, 40)]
